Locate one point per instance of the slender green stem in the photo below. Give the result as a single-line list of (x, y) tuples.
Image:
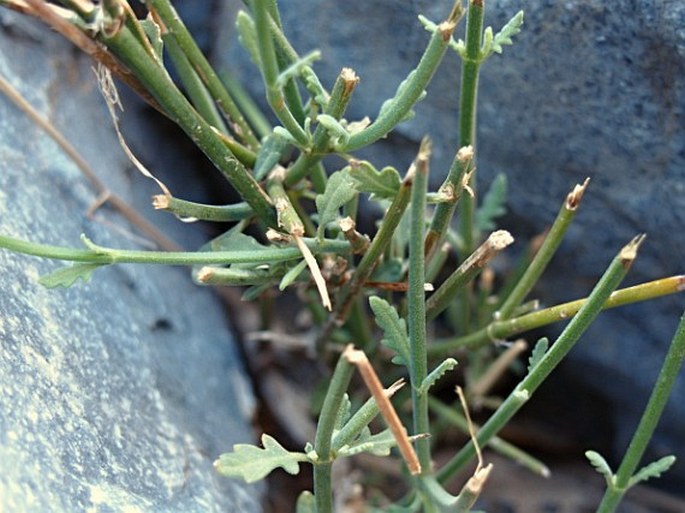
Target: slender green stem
[(253, 114), (190, 209), (501, 330), (545, 254), (102, 255), (200, 97), (521, 394), (412, 88), (340, 380), (204, 70), (466, 272), (496, 443), (125, 45), (416, 297), (467, 113), (452, 187), (270, 73), (650, 418), (340, 97)]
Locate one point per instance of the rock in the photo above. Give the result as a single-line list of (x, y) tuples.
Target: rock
[(118, 394), (589, 89)]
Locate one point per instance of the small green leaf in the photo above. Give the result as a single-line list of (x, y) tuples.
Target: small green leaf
[(601, 466), (493, 205), (446, 366), (382, 184), (314, 87), (292, 275), (254, 292), (339, 190), (247, 35), (154, 34), (270, 153), (337, 131), (235, 240), (306, 503), (654, 469), (67, 276), (394, 329), (295, 69), (538, 352), (391, 269), (512, 28), (378, 444), (343, 413), (502, 38), (253, 463)]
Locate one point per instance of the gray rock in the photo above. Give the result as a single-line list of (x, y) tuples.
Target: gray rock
[(589, 89), (118, 394)]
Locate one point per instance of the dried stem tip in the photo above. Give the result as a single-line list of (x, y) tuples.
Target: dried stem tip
[(465, 153), (495, 243), (350, 78), (629, 251), (576, 195), (160, 201)]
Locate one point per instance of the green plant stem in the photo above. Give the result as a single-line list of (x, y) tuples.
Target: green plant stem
[(340, 97), (523, 391), (156, 80), (199, 96), (190, 209), (545, 254), (453, 187), (501, 330), (204, 70), (270, 71), (324, 434), (463, 275), (104, 256), (496, 443), (379, 244), (253, 114), (207, 275), (413, 87), (650, 418), (467, 114), (416, 298)]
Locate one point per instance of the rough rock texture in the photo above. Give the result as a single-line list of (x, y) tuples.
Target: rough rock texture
[(115, 395), (590, 88)]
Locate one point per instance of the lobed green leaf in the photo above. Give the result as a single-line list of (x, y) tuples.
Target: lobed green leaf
[(601, 465), (339, 190), (654, 469), (394, 329), (67, 276), (252, 463), (493, 205), (538, 353), (383, 184)]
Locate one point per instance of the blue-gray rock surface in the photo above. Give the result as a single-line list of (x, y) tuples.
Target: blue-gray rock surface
[(590, 88), (118, 394)]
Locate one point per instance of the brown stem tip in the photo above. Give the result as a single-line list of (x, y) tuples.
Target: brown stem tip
[(629, 251), (576, 195)]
